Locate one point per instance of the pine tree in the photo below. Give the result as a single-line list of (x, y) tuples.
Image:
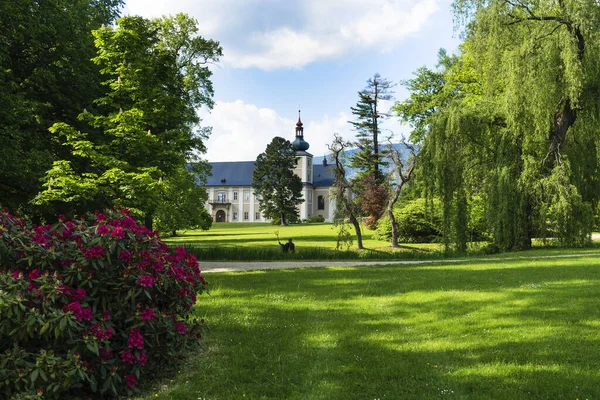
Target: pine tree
[(368, 114)]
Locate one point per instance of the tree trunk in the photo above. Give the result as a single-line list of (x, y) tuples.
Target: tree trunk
[(356, 225), (283, 220), (394, 229), (564, 118), (148, 221), (174, 233)]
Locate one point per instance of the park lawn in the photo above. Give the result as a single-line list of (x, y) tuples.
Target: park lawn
[(265, 234), (258, 241), (519, 329)]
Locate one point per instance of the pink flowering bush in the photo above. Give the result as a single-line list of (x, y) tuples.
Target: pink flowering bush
[(91, 305)]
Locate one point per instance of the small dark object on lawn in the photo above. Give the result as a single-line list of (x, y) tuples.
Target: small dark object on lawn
[(289, 246)]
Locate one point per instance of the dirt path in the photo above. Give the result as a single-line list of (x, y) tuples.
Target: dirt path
[(233, 266)]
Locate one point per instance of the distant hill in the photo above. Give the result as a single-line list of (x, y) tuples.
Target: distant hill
[(351, 171)]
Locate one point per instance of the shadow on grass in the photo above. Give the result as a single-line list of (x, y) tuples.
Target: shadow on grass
[(488, 332)]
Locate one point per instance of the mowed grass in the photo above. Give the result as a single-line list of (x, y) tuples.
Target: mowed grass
[(520, 329), (258, 241), (264, 234)]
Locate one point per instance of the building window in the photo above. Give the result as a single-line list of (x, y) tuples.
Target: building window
[(246, 215), (257, 216), (235, 215), (309, 196), (320, 203), (221, 197), (246, 195), (235, 195)]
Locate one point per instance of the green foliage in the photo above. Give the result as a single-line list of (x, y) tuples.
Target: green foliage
[(143, 130), (344, 191), (90, 306), (513, 120), (315, 219), (369, 159), (46, 76), (274, 181), (182, 204), (417, 222)]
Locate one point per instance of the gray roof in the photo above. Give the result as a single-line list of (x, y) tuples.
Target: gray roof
[(323, 175), (239, 173), (234, 173)]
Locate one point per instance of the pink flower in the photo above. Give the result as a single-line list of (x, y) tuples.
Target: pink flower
[(100, 217), (124, 256), (105, 315), (102, 230), (85, 315), (180, 328), (130, 380), (142, 361), (16, 274), (148, 314), (135, 340), (95, 252), (128, 357), (146, 281), (73, 307), (125, 211), (118, 233), (128, 223), (79, 294), (33, 275)]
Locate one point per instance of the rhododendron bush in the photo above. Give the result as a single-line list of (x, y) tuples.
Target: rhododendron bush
[(93, 305)]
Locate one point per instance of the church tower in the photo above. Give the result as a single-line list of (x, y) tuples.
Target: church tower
[(304, 169)]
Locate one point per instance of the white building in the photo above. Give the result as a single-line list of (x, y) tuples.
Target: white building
[(232, 199)]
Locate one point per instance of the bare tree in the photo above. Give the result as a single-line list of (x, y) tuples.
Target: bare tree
[(342, 189), (401, 170)]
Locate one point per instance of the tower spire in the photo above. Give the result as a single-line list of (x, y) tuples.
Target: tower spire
[(300, 144)]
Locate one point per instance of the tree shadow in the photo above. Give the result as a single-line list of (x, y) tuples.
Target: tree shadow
[(404, 332)]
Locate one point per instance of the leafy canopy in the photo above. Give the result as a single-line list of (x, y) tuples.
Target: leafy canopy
[(274, 182)]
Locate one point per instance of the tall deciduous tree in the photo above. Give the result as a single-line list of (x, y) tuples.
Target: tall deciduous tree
[(274, 181), (144, 129), (348, 206), (181, 204), (400, 174), (46, 76), (516, 122)]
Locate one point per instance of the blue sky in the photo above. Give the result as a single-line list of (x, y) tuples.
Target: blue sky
[(280, 55)]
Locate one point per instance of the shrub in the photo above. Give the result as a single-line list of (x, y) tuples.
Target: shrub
[(416, 224), (92, 305), (315, 218)]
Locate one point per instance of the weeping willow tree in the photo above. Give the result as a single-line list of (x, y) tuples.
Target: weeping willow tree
[(513, 119)]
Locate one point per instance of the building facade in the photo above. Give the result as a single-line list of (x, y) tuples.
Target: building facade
[(232, 199)]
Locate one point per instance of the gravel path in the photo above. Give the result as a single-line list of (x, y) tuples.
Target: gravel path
[(232, 266)]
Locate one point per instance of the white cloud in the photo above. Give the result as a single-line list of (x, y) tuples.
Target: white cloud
[(281, 34), (242, 131)]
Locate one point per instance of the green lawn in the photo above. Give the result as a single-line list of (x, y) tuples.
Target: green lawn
[(262, 234), (253, 241), (523, 329)]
